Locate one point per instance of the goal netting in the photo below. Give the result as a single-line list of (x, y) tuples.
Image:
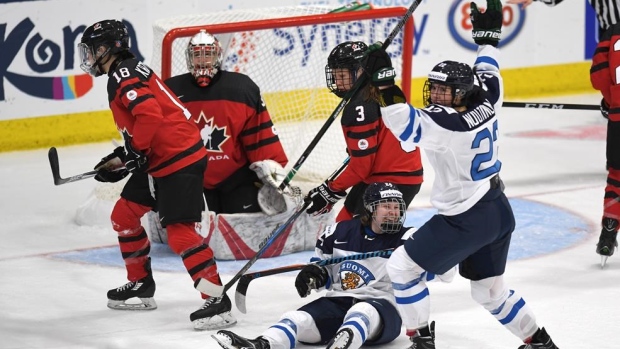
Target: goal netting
[(284, 50)]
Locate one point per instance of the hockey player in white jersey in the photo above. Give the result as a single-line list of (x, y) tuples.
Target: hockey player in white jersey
[(359, 305), (458, 129)]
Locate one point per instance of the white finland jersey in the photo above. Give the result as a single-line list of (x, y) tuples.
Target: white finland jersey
[(361, 279), (462, 147)]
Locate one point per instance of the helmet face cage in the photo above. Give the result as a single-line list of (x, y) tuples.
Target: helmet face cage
[(458, 76), (390, 223), (203, 57), (342, 66), (112, 35), (388, 196)]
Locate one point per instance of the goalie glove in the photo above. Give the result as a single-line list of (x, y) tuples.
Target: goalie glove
[(487, 25), (323, 199), (110, 168), (269, 172), (311, 277)]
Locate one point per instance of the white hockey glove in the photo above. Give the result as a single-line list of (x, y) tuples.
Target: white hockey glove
[(269, 172)]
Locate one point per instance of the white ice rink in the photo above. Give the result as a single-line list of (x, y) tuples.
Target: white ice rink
[(47, 301)]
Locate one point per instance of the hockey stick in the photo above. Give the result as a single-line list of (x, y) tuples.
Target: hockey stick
[(213, 290), (347, 97), (551, 106), (52, 154), (244, 281)]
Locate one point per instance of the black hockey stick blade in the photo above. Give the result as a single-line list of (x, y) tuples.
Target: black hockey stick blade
[(554, 106), (244, 282), (52, 155)]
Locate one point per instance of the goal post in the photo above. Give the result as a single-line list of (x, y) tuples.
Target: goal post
[(284, 50)]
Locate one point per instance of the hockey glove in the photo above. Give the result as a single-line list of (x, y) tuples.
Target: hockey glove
[(378, 66), (311, 277), (269, 172), (110, 168), (392, 95), (604, 109), (487, 25), (323, 199), (136, 161)]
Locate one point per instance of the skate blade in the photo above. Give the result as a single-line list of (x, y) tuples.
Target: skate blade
[(147, 304), (604, 261), (220, 341), (216, 322)]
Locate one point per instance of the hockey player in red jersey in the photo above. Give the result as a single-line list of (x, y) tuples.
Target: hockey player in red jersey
[(603, 74), (165, 155), (375, 154), (243, 147)]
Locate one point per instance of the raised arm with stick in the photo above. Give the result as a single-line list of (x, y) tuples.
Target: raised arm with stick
[(347, 97)]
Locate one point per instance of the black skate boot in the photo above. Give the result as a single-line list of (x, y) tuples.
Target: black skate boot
[(143, 289), (342, 339), (213, 314), (540, 340), (229, 340), (424, 338), (607, 242)]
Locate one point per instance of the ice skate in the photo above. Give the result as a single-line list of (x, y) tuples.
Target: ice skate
[(607, 244), (423, 341), (540, 340), (143, 289), (229, 340), (213, 314), (342, 340)]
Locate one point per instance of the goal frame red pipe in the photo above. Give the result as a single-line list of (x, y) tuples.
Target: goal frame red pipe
[(223, 28)]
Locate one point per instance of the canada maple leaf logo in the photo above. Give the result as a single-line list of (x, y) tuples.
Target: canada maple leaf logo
[(213, 136)]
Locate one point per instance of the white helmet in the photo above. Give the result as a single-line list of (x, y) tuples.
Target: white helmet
[(204, 57)]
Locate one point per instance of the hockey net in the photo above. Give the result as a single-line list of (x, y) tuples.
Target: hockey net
[(284, 50)]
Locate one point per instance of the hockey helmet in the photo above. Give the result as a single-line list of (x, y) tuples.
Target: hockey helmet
[(203, 57), (348, 56), (99, 42), (458, 76), (379, 193)]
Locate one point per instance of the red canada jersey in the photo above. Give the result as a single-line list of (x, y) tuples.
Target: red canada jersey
[(233, 120), (606, 68), (375, 154), (149, 116)]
